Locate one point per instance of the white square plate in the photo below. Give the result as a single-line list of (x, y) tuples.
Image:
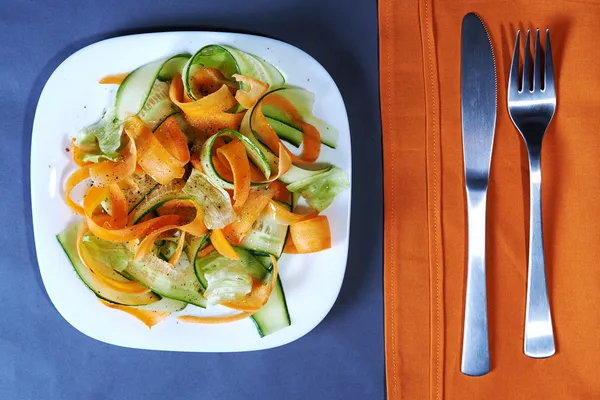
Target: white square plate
[(72, 98)]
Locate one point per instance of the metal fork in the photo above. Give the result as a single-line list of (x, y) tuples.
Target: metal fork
[(531, 110)]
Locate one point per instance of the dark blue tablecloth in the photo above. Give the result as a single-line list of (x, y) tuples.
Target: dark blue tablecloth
[(42, 357)]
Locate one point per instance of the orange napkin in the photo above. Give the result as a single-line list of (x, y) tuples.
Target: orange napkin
[(425, 230)]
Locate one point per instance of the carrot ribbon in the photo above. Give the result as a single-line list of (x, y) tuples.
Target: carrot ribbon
[(172, 138), (209, 113), (259, 296), (214, 320), (248, 98), (147, 317), (285, 217), (96, 267), (247, 215), (153, 157), (217, 238), (311, 143), (94, 198), (311, 235), (234, 153), (196, 227), (115, 79)]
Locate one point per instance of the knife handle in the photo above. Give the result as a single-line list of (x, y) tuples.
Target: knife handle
[(475, 351)]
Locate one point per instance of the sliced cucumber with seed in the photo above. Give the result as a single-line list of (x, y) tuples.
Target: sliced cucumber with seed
[(303, 101), (157, 197), (212, 56), (257, 68), (134, 91), (158, 106), (68, 241)]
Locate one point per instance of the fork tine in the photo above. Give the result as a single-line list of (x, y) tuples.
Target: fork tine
[(537, 60), (513, 79), (549, 67), (526, 65)]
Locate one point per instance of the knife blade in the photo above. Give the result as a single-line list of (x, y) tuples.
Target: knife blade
[(478, 102)]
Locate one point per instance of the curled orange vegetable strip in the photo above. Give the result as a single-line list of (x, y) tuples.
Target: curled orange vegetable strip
[(214, 320), (311, 235), (118, 207), (248, 98), (220, 101), (222, 168), (109, 172), (285, 217), (217, 238), (186, 98), (205, 251), (259, 296), (256, 174), (290, 247), (281, 192), (196, 227), (154, 159), (235, 154), (77, 156), (172, 138), (284, 162), (207, 80), (145, 245), (139, 170), (195, 160), (184, 211), (149, 318), (96, 267), (209, 114), (257, 201), (311, 142), (115, 79), (213, 123), (173, 260), (93, 199), (72, 181)]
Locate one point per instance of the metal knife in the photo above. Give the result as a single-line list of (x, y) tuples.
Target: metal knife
[(478, 101)]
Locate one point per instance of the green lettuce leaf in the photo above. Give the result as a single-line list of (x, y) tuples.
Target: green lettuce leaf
[(319, 190), (214, 201), (229, 282), (115, 255), (101, 140)]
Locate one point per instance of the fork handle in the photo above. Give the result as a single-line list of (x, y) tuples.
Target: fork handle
[(475, 351), (539, 336)]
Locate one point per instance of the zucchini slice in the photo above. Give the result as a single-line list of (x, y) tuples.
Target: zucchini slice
[(213, 56), (274, 315), (296, 174), (255, 67), (157, 197), (266, 236), (68, 241), (193, 244), (254, 153), (303, 100), (164, 305), (175, 282), (135, 90)]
